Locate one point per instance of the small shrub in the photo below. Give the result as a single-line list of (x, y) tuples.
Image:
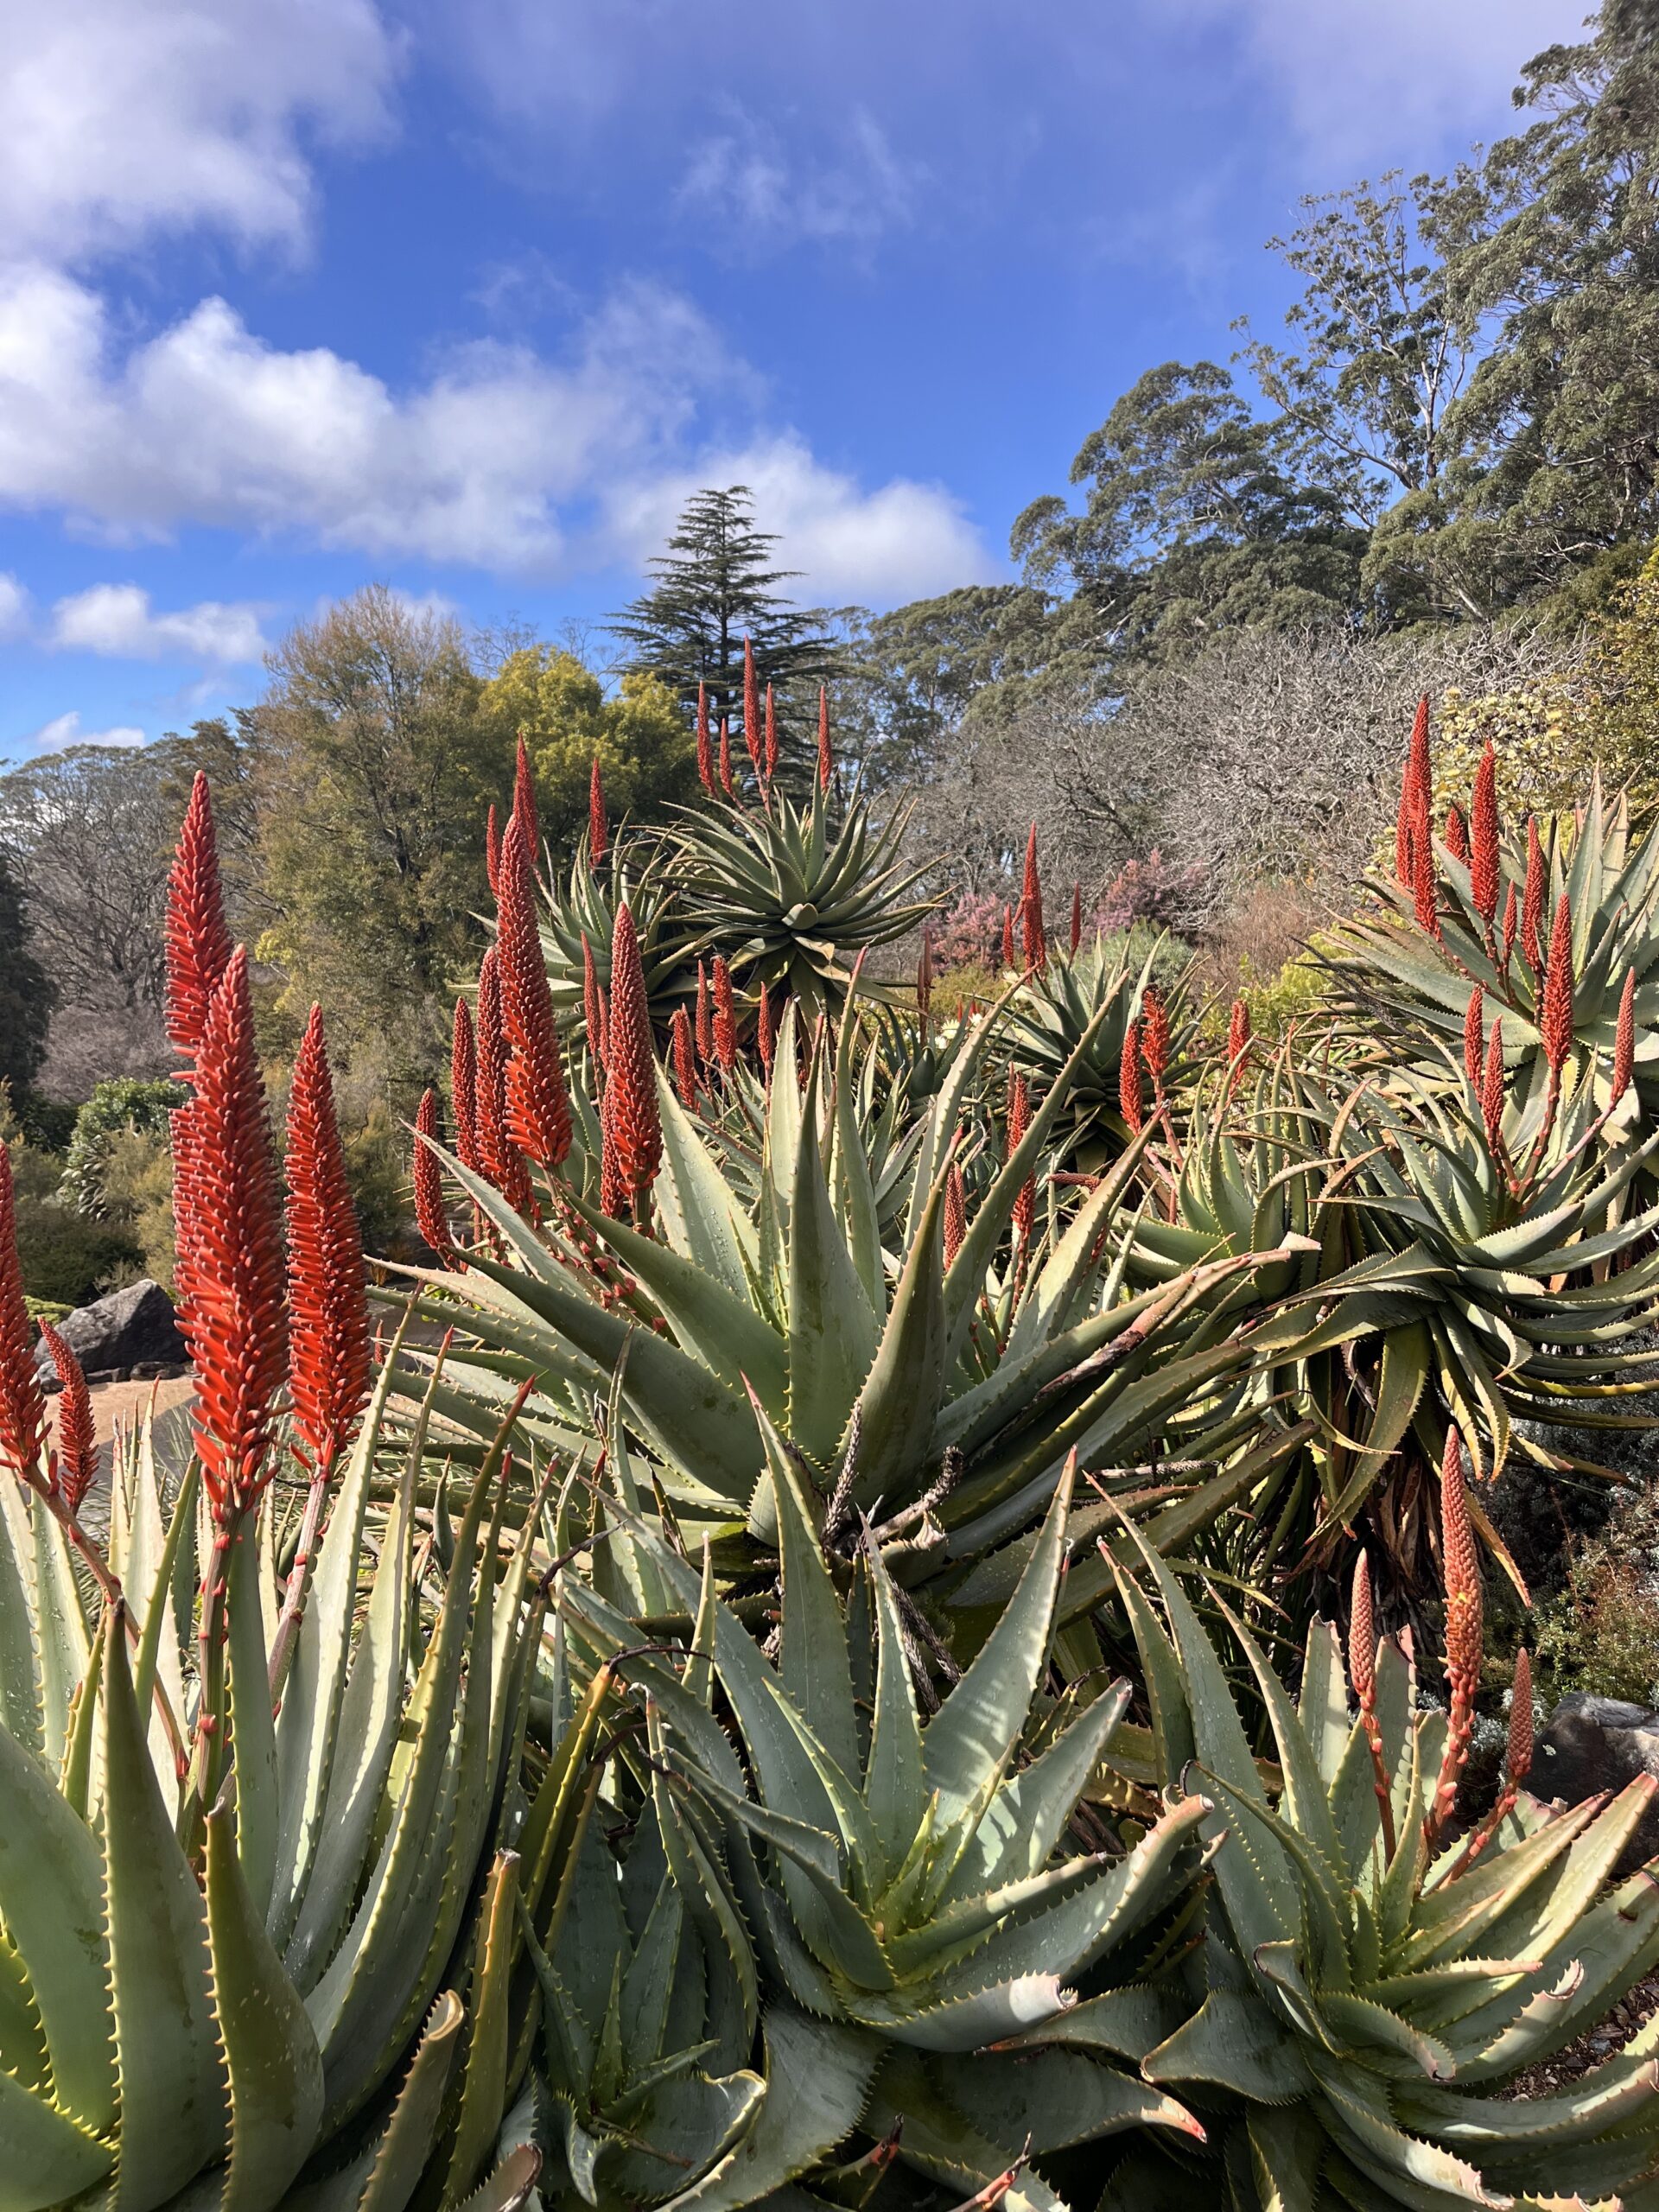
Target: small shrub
[(123, 1104), (66, 1259), (137, 1181), (957, 989)]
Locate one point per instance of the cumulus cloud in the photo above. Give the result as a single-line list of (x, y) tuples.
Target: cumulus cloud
[(502, 460), (119, 622), (65, 730), (14, 608), (117, 120)]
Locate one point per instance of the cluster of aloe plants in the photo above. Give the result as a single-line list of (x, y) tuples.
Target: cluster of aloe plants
[(761, 1694)]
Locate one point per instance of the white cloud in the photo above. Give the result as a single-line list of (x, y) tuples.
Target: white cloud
[(14, 607), (65, 730), (758, 193), (117, 620), (502, 460), (121, 117)]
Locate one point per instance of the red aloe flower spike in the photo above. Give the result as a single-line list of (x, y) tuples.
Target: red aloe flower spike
[(77, 1452), (1425, 884), (492, 853), (233, 1310), (1019, 1120), (763, 1032), (1517, 1756), (685, 1066), (430, 1217), (1463, 1607), (524, 805), (1556, 1025), (598, 829), (592, 1004), (725, 1016), (612, 1197), (956, 1215), (826, 758), (1474, 1037), (705, 1022), (1077, 916), (198, 941), (726, 782), (1128, 1079), (1532, 908), (1007, 935), (328, 1358), (1625, 1040), (771, 737), (1483, 856), (1238, 1044), (1155, 1043), (752, 715), (493, 1144), (1492, 1087), (538, 1105), (1034, 943), (924, 975), (705, 751), (1403, 865), (1456, 834), (22, 1401), (463, 1087), (1362, 1668), (1511, 914), (1419, 773), (634, 1125)]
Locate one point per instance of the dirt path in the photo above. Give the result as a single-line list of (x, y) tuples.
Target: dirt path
[(124, 1402)]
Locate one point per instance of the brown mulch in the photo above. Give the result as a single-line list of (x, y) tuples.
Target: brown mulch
[(1552, 2075)]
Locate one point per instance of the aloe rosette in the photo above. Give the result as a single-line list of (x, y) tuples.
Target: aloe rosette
[(1055, 1007), (1371, 1981), (584, 905), (903, 1882)]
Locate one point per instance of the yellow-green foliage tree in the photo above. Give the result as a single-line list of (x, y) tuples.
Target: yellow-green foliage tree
[(646, 754)]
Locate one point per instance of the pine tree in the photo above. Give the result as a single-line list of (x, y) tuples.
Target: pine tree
[(714, 587)]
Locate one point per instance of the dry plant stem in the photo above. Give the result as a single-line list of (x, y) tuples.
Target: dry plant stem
[(294, 1597)]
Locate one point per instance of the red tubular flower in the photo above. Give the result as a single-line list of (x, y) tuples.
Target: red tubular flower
[(826, 758), (705, 1022), (538, 1105), (1128, 1079), (1033, 942), (1491, 1086), (633, 1126), (763, 1032), (1019, 1120), (726, 782), (1625, 1040), (752, 715), (612, 1197), (1008, 935), (232, 1272), (1555, 1025), (1412, 822), (493, 1143), (593, 1005), (492, 853), (1517, 1756), (1362, 1639), (771, 737), (463, 1087), (1464, 1606), (1474, 1037), (956, 1215), (328, 1358), (1510, 915), (1154, 1042), (686, 1065), (1425, 884), (430, 1216), (1483, 856), (598, 829), (77, 1452), (198, 941), (1077, 917), (524, 804), (23, 1402), (705, 751), (1238, 1044), (1532, 905), (924, 977), (725, 1016), (1456, 834), (1402, 837)]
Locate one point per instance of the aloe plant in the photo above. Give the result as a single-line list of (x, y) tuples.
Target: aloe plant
[(1372, 1981), (584, 905), (1056, 1006)]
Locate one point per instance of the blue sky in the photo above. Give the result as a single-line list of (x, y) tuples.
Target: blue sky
[(466, 295)]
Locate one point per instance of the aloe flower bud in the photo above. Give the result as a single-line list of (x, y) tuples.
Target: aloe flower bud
[(76, 1459), (328, 1355), (430, 1217), (1483, 855), (599, 829)]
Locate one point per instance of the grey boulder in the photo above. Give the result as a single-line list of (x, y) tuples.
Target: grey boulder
[(131, 1331), (1594, 1744)]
